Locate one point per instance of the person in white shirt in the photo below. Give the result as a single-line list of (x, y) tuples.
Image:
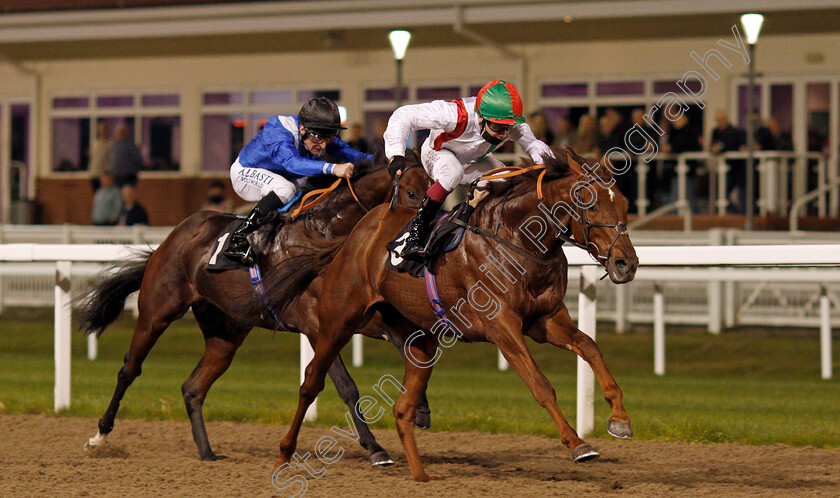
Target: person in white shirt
[(464, 133)]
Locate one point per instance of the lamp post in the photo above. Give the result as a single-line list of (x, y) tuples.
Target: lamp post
[(399, 44), (752, 26)]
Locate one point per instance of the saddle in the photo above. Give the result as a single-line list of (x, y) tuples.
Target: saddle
[(446, 236), (219, 262)]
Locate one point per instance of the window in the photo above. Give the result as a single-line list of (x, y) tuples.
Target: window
[(75, 119), (231, 118)]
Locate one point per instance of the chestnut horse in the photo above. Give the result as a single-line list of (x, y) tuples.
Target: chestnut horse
[(173, 279), (529, 291)]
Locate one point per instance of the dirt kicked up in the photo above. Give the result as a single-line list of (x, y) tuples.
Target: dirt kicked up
[(42, 456)]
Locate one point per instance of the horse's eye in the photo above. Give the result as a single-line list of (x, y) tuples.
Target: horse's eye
[(411, 194), (593, 208)]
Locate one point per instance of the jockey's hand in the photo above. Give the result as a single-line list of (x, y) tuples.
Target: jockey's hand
[(396, 166), (343, 170)]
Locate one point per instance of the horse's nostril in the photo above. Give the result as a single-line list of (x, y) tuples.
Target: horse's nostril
[(621, 264)]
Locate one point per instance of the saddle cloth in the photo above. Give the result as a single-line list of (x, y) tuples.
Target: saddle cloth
[(218, 261), (445, 237)]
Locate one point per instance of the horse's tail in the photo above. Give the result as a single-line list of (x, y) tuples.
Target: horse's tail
[(287, 281), (103, 302)]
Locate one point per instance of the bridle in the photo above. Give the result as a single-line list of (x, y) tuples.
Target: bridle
[(395, 199), (586, 225), (564, 234)]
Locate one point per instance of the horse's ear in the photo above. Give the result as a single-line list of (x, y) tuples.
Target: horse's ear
[(574, 165)]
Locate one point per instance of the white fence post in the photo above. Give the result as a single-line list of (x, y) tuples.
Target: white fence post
[(306, 355), (92, 347), (714, 292), (358, 351), (825, 334), (62, 335), (621, 308), (658, 331), (585, 377), (502, 363)]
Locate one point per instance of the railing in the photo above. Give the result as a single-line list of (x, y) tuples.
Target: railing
[(659, 263), (774, 168), (801, 202)]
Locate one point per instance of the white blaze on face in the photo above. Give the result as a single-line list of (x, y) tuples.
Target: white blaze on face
[(612, 195)]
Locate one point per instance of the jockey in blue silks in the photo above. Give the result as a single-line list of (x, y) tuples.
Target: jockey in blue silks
[(276, 162)]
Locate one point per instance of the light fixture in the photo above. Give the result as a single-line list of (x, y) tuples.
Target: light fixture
[(399, 42), (752, 26)]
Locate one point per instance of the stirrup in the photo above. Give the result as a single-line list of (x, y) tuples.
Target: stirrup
[(417, 253)]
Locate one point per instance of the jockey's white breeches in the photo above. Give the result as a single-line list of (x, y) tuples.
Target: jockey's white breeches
[(444, 167), (252, 184)]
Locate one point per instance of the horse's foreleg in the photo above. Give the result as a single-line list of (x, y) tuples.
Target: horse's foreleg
[(379, 326), (507, 336), (418, 370), (326, 349), (561, 331), (349, 393)]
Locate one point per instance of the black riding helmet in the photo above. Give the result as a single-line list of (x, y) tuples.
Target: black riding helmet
[(320, 115)]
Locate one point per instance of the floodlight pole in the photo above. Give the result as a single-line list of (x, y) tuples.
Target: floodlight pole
[(750, 193), (399, 82)]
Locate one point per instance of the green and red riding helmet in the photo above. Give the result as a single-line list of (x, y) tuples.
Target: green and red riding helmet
[(499, 102)]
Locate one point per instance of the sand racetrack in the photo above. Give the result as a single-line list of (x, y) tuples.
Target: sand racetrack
[(44, 456)]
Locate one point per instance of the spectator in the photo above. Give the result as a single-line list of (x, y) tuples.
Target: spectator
[(101, 154), (608, 136), (539, 125), (107, 203), (132, 213), (357, 141), (781, 138), (216, 198), (727, 138), (565, 136), (764, 140), (683, 138), (378, 143), (127, 160), (586, 141)]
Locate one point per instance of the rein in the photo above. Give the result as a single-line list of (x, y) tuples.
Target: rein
[(322, 194)]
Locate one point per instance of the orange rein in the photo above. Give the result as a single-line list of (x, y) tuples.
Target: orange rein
[(511, 171)]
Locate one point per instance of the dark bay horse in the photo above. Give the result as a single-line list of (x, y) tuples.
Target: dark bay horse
[(496, 296), (173, 279)]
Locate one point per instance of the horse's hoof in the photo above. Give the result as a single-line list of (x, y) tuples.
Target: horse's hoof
[(97, 440), (423, 420), (381, 459), (583, 453), (426, 478), (212, 457), (619, 429)]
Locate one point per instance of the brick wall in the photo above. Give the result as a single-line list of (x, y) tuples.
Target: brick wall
[(167, 200)]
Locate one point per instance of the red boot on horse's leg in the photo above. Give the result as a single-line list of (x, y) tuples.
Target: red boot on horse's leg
[(239, 248)]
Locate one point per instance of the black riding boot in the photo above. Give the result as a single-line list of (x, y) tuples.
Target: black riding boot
[(415, 249), (239, 248)]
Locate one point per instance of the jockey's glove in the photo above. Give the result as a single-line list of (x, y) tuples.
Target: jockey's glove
[(397, 165)]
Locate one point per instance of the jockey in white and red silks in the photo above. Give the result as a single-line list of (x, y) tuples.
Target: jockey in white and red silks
[(464, 133)]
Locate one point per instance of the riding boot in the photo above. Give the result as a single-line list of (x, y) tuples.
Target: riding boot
[(415, 244), (239, 248)]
